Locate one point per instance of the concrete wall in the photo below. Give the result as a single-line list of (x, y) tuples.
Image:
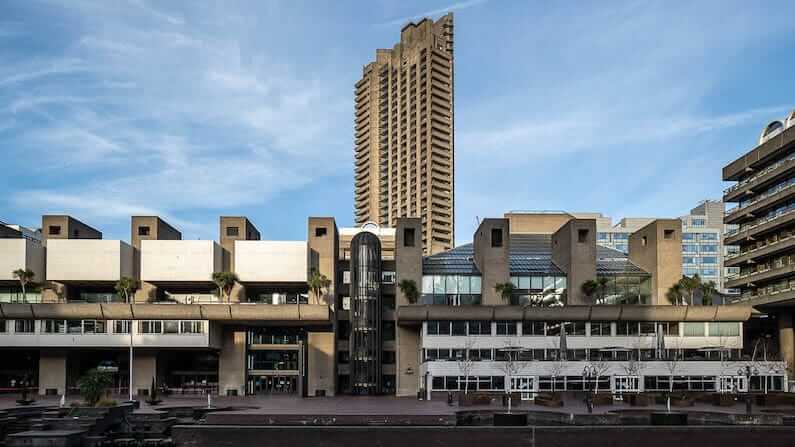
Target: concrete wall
[(88, 260), (323, 250), (407, 368), (657, 248), (493, 262), (21, 253), (144, 369), (320, 363), (576, 257), (246, 231), (52, 371), (70, 228), (271, 261), (537, 223), (232, 363), (408, 260), (786, 337), (179, 260)]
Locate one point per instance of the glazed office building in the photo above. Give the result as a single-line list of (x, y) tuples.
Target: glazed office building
[(764, 223), (403, 131), (363, 335)]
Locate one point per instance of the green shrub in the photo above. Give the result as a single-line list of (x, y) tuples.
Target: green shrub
[(93, 385)]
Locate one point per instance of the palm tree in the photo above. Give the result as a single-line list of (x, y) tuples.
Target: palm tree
[(225, 282), (125, 286), (708, 290), (602, 282), (589, 288), (690, 284), (409, 289), (318, 284), (675, 294), (25, 277), (505, 290)]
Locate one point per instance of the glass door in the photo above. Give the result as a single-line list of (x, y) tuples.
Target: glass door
[(525, 385)]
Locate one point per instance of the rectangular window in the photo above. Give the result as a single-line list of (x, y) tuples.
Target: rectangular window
[(496, 237), (693, 329), (388, 277), (408, 237), (458, 328), (94, 327), (54, 326), (627, 328), (320, 231), (724, 329), (647, 328), (480, 327), (191, 327), (121, 327), (143, 231), (24, 326), (668, 234), (600, 329), (150, 327), (478, 355), (74, 326), (709, 248), (576, 328), (534, 328), (232, 231), (54, 230), (506, 328), (671, 328), (582, 235)]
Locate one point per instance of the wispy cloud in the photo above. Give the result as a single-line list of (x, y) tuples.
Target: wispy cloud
[(434, 12)]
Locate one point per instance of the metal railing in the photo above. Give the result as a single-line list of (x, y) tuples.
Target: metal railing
[(758, 175)]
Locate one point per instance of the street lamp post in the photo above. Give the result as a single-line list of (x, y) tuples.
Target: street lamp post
[(748, 371), (588, 373)]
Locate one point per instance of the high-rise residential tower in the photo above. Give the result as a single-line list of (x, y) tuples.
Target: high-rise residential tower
[(403, 126)]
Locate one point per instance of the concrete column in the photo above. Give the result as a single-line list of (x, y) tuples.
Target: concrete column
[(786, 337), (144, 369), (232, 363), (320, 363), (52, 372), (146, 292), (407, 368)]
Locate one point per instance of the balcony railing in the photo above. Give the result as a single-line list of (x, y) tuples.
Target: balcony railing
[(759, 222), (27, 298), (772, 244), (759, 198), (758, 175)]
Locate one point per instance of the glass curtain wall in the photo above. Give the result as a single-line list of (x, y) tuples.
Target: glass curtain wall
[(365, 340)]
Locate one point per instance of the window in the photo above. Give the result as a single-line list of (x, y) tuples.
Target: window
[(150, 327), (143, 231), (388, 331), (24, 326), (709, 248), (576, 328), (458, 328), (688, 236), (698, 222), (478, 355), (388, 277), (724, 329), (535, 328), (408, 237), (481, 327), (74, 326), (94, 327), (600, 329), (627, 328), (506, 328), (121, 327), (668, 234), (709, 260), (55, 230), (643, 241), (191, 327), (54, 326), (388, 357), (582, 235), (689, 248), (647, 328), (689, 259), (171, 327), (671, 328), (232, 231), (438, 328), (602, 237), (693, 329), (320, 231), (496, 237)]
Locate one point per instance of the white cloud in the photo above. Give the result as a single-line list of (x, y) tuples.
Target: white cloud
[(434, 12)]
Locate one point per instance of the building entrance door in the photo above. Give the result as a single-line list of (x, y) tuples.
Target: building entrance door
[(273, 385)]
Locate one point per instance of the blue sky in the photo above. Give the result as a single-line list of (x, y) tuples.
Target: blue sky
[(191, 110)]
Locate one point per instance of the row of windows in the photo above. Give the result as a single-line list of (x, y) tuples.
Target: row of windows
[(75, 327), (696, 248), (689, 236), (704, 272), (700, 260), (583, 354), (581, 328), (539, 282)]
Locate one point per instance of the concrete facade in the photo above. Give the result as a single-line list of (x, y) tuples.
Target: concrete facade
[(404, 134), (574, 251), (232, 363), (653, 248), (321, 373), (52, 372), (492, 247)]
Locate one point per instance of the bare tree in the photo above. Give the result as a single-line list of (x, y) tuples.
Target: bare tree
[(601, 368), (672, 364), (512, 365), (465, 363)]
